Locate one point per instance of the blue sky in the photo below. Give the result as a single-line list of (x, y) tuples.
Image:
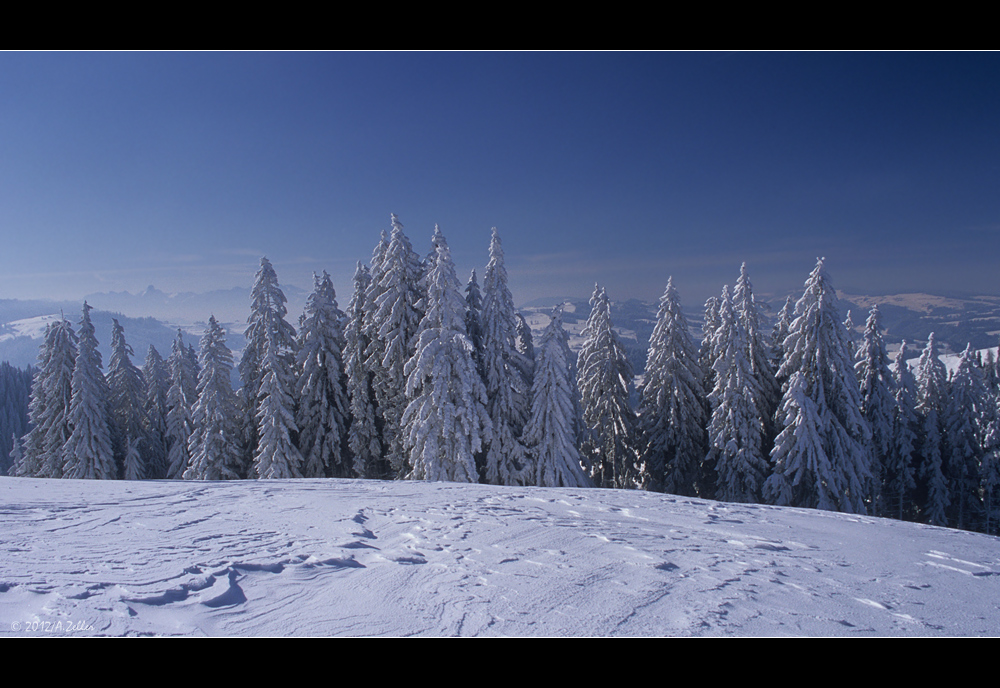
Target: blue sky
[(119, 170)]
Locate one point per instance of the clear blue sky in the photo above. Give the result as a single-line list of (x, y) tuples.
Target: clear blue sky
[(119, 170)]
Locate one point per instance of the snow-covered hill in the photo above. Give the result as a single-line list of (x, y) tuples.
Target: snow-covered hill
[(344, 557)]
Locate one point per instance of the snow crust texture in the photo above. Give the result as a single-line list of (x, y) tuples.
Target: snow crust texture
[(331, 557)]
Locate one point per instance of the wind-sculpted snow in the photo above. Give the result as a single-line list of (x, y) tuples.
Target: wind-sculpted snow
[(372, 558)]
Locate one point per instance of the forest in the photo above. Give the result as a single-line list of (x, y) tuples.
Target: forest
[(422, 379)]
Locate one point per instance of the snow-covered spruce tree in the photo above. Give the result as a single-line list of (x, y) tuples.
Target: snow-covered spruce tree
[(395, 320), (363, 436), (671, 406), (266, 329), (851, 336), (735, 430), (156, 376), (474, 319), (51, 398), (524, 361), (781, 326), (127, 396), (706, 352), (445, 423), (932, 390), (768, 391), (179, 403), (277, 456), (989, 469), (508, 398), (214, 441), (88, 450), (323, 409), (877, 402), (550, 434), (605, 376), (967, 414), (898, 481), (820, 457)]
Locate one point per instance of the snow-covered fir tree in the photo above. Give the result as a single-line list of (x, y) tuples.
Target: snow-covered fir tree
[(671, 406), (877, 401), (706, 352), (395, 319), (524, 361), (179, 404), (604, 378), (898, 474), (214, 442), (967, 414), (323, 409), (126, 402), (782, 324), (474, 319), (851, 336), (363, 436), (51, 398), (989, 469), (508, 397), (735, 430), (88, 451), (276, 456), (156, 376), (445, 423), (266, 329), (932, 390), (767, 392), (551, 435), (820, 457)]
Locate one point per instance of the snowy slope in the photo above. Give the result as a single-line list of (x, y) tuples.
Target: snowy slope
[(343, 557)]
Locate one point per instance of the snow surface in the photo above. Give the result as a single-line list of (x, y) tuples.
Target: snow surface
[(29, 327), (373, 558)]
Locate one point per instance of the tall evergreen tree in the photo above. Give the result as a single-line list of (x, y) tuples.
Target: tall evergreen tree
[(605, 376), (15, 396), (156, 376), (474, 319), (707, 350), (768, 391), (735, 430), (266, 330), (932, 390), (323, 409), (179, 404), (126, 402), (51, 398), (967, 414), (276, 456), (671, 406), (88, 450), (395, 320), (507, 396), (877, 402), (214, 442), (898, 481), (820, 456), (445, 423), (363, 435), (524, 361), (782, 325), (551, 435)]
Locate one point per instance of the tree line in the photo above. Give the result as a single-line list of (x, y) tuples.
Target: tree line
[(418, 381)]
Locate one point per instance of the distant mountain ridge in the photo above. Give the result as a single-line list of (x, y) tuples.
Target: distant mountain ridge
[(153, 316)]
